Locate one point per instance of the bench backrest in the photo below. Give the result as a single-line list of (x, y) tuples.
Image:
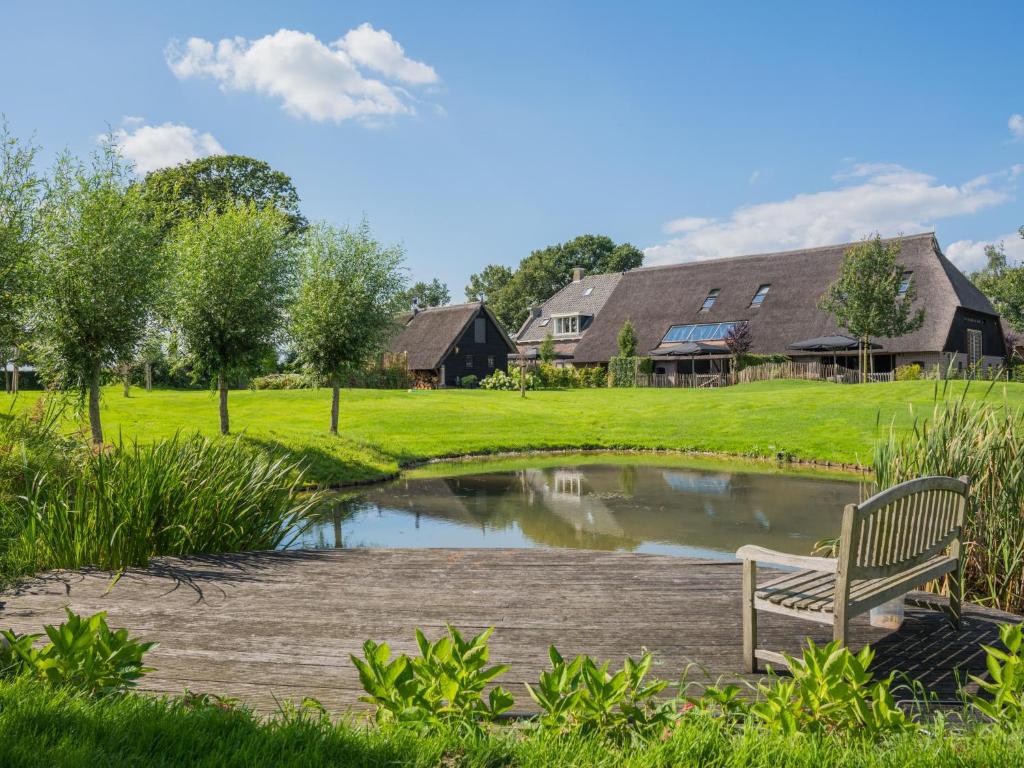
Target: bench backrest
[(903, 526)]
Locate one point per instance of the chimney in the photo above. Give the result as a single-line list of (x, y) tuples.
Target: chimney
[(535, 310), (577, 274), (415, 306)]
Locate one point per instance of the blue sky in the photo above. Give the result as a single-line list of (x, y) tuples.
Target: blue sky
[(476, 132)]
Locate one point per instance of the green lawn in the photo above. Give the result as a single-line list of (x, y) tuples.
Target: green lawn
[(382, 431)]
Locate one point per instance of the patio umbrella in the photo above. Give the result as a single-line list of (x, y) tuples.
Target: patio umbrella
[(833, 344)]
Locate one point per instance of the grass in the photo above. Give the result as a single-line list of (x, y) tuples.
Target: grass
[(40, 727), (384, 430)]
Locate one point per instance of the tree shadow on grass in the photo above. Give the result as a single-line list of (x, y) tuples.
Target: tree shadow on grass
[(323, 468)]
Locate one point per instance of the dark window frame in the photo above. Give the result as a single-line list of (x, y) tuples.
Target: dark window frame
[(710, 300), (760, 295)]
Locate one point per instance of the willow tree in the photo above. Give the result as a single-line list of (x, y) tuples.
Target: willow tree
[(98, 273), (234, 272), (20, 188), (349, 289), (869, 299)]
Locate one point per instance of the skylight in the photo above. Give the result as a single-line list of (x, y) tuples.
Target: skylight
[(759, 297), (905, 283), (544, 322), (698, 332), (588, 291), (709, 302)]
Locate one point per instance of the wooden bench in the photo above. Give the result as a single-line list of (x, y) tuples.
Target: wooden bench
[(895, 541)]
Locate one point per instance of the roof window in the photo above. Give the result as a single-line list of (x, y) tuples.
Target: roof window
[(698, 332), (709, 302), (905, 283), (759, 297)]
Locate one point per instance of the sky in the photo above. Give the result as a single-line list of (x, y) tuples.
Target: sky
[(473, 133)]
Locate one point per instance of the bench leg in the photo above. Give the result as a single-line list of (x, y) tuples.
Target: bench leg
[(839, 630), (749, 616), (956, 587)]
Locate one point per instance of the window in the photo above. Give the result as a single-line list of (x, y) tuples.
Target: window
[(490, 361), (759, 297), (544, 322), (480, 330), (905, 283), (469, 361), (709, 302), (565, 326), (588, 291), (973, 346), (698, 332)]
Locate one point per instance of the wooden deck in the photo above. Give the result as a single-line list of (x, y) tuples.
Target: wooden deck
[(281, 625)]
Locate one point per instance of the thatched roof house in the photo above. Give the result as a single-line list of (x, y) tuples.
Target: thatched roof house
[(446, 344), (777, 294)]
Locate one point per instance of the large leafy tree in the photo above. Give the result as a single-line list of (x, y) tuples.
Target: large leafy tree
[(546, 271), (344, 310), (219, 182), (99, 272), (488, 284), (1003, 284), (20, 188), (234, 276), (432, 294), (866, 299)]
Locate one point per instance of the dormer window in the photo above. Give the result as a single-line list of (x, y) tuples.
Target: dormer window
[(709, 302), (567, 325), (759, 297), (905, 283)]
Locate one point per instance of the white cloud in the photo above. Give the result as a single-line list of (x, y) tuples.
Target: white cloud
[(868, 198), (376, 49), (312, 79), (686, 224), (158, 146), (1016, 125), (969, 255)]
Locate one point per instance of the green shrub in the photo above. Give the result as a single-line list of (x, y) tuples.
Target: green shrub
[(593, 376), (747, 360), (622, 371), (173, 497), (282, 381), (83, 653), (442, 687), (468, 382), (586, 697), (910, 372), (1005, 684), (830, 689)]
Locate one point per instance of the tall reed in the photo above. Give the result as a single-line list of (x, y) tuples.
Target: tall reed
[(984, 441), (173, 497)]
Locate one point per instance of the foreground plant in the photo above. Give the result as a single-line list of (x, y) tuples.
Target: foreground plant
[(83, 653), (442, 687), (1005, 688)]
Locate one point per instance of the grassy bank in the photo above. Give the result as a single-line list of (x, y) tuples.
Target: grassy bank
[(39, 727), (384, 430)]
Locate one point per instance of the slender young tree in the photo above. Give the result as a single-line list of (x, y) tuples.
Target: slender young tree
[(20, 188), (349, 289), (866, 298), (234, 273), (546, 351), (99, 272), (627, 340)]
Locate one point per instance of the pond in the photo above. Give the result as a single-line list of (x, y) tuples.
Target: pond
[(639, 507)]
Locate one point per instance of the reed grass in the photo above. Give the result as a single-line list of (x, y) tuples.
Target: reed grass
[(180, 496), (985, 441)]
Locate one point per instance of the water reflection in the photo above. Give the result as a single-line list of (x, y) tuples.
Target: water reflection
[(627, 507)]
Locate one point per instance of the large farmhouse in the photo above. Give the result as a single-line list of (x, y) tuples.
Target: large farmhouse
[(443, 345), (682, 313)]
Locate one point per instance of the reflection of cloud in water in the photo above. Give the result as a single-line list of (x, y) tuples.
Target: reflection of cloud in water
[(689, 482)]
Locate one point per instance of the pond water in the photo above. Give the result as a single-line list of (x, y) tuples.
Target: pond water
[(629, 507)]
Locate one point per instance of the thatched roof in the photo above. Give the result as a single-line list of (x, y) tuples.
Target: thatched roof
[(428, 336), (656, 298), (585, 297)]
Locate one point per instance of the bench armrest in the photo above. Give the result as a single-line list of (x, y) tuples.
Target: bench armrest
[(762, 555)]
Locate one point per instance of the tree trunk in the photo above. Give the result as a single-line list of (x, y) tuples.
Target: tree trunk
[(127, 384), (149, 377), (335, 395), (94, 405), (222, 387), (14, 378)]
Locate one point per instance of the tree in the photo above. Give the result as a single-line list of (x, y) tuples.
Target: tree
[(546, 351), (1003, 285), (432, 294), (738, 340), (99, 272), (488, 284), (544, 272), (627, 340), (234, 278), (344, 311), (20, 188), (866, 299), (219, 182)]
